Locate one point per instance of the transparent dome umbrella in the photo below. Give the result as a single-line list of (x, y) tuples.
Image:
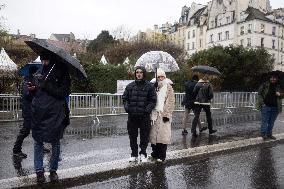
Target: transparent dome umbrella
[(157, 59)]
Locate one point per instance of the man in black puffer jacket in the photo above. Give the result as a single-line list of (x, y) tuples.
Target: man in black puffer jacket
[(139, 99)]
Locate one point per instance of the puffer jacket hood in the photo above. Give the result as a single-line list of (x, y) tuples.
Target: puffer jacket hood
[(141, 68)]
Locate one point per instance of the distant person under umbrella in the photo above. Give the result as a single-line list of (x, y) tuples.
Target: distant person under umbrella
[(202, 93), (188, 103), (49, 113), (270, 104)]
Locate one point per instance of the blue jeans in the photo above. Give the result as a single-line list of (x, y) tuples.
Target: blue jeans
[(38, 156), (268, 117)]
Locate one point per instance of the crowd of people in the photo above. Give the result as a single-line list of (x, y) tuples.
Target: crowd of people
[(149, 106)]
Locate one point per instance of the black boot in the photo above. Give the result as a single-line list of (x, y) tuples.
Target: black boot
[(40, 177), (19, 155), (53, 176), (212, 131)]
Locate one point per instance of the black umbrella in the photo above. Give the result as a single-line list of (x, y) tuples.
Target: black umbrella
[(40, 46), (206, 69)]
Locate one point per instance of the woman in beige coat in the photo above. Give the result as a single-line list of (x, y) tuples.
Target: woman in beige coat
[(161, 117)]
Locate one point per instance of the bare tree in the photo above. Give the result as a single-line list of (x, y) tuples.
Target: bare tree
[(122, 32)]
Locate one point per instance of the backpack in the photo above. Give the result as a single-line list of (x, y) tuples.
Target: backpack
[(204, 95)]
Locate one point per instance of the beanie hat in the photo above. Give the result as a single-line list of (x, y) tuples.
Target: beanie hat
[(161, 72)]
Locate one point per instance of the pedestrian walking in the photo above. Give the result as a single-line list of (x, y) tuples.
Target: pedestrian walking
[(27, 95), (202, 93), (49, 113), (270, 104), (139, 99), (161, 117), (188, 103)]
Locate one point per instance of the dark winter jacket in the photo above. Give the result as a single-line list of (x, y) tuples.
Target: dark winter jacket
[(139, 97), (26, 97), (262, 93), (49, 104), (203, 92), (188, 100)]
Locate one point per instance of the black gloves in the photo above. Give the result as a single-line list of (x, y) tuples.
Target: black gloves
[(156, 84), (165, 119)]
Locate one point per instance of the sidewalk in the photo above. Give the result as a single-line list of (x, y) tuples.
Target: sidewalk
[(112, 144)]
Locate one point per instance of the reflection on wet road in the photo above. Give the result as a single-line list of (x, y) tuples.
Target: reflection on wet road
[(261, 167)]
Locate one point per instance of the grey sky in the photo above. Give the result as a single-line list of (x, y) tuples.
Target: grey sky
[(86, 18)]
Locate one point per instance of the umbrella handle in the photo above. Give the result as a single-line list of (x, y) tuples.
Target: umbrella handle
[(49, 72)]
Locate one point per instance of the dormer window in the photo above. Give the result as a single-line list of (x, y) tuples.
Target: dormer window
[(242, 30), (262, 27)]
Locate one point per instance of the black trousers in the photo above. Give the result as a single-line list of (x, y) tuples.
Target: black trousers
[(197, 109), (133, 125), (159, 151), (24, 132)]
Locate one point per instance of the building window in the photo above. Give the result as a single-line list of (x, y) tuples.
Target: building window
[(200, 41), (281, 58), (227, 35), (242, 42), (273, 43), (281, 46), (262, 27), (188, 35), (212, 24), (193, 46), (220, 36), (242, 30), (273, 30), (262, 42), (188, 46), (211, 38), (228, 19), (249, 28), (201, 30), (249, 42), (193, 33), (220, 21)]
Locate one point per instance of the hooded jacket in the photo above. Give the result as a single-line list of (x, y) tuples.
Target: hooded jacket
[(139, 97)]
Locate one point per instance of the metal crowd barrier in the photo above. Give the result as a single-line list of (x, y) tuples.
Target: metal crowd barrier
[(100, 104)]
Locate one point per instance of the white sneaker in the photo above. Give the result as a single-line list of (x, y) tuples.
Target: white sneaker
[(143, 158), (133, 159), (159, 160)]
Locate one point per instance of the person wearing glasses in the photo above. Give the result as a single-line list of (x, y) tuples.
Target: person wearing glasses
[(139, 99)]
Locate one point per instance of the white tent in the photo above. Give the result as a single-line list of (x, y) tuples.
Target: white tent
[(126, 61), (37, 60), (6, 64), (103, 60)]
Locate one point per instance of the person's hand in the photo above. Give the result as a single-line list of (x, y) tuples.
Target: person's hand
[(165, 119), (31, 87), (278, 94)]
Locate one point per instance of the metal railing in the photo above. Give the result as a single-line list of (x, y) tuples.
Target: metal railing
[(99, 104)]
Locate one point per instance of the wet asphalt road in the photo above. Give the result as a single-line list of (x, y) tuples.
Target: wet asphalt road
[(261, 167), (110, 141)]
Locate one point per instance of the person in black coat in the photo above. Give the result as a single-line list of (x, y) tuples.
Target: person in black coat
[(49, 113), (202, 93), (139, 99), (188, 103)]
